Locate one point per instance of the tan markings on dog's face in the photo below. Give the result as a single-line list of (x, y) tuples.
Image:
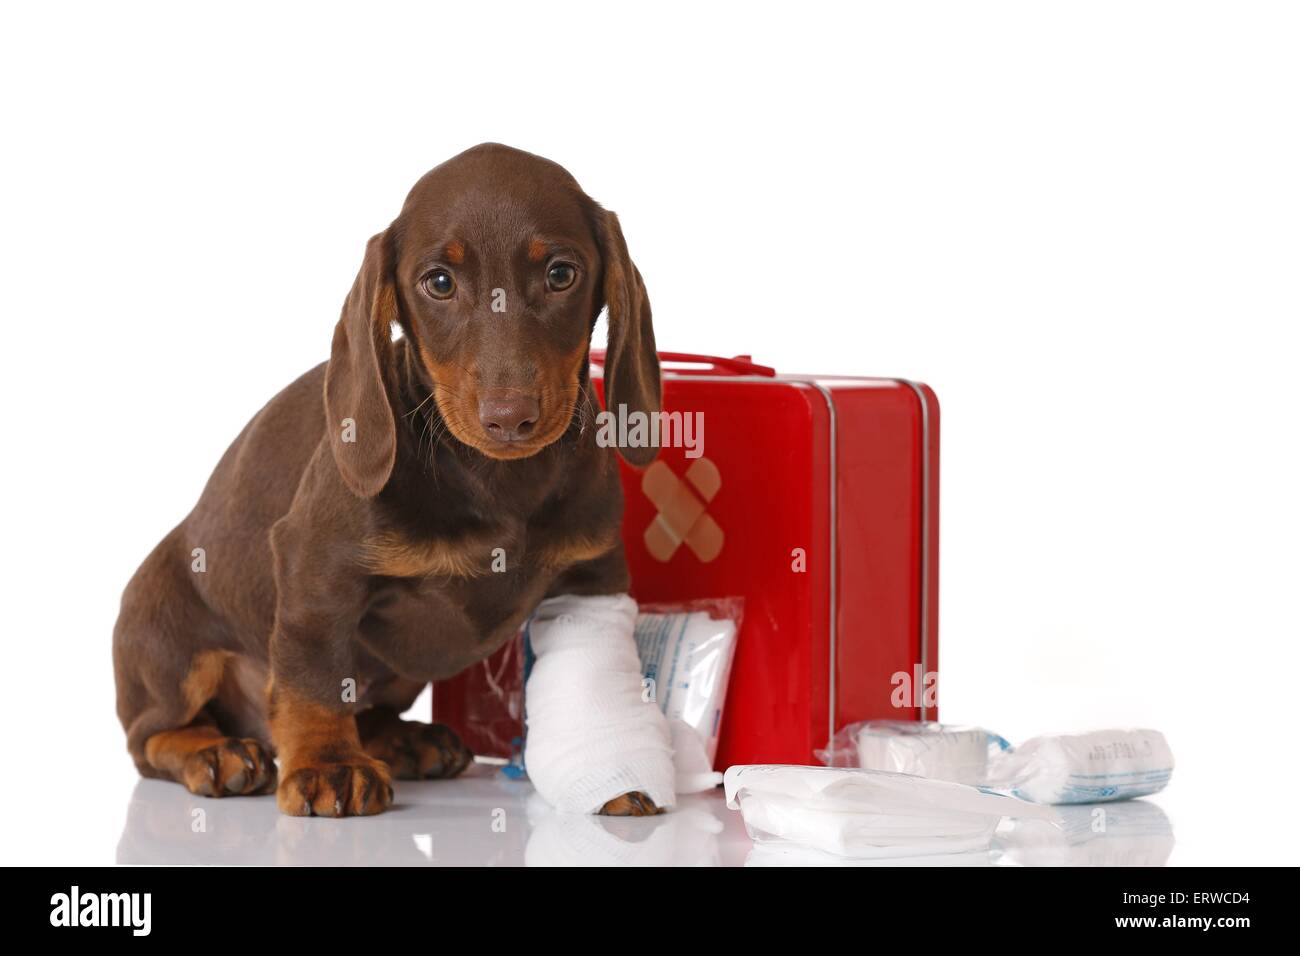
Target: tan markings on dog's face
[(498, 270), (558, 391), (561, 392), (393, 555)]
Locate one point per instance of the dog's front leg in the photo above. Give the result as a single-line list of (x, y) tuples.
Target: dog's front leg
[(324, 770)]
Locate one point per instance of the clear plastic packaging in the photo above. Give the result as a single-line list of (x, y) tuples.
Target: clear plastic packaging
[(866, 814), (686, 652), (1086, 768), (959, 754), (1054, 768)]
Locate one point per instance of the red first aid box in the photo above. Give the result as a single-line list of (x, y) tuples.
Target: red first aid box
[(814, 498)]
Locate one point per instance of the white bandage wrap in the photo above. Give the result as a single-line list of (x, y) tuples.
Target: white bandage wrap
[(591, 734), (1086, 768), (1054, 768), (958, 754)]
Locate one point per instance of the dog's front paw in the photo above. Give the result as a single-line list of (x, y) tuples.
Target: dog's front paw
[(356, 785), (634, 804), (416, 751)]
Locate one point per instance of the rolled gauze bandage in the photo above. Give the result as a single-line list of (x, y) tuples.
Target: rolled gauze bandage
[(1086, 768), (592, 735), (937, 751)]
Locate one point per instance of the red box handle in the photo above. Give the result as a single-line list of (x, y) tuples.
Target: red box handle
[(736, 365)]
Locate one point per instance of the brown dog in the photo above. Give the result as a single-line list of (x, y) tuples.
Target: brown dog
[(395, 514)]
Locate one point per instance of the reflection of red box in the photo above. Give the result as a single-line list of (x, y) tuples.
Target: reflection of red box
[(817, 500)]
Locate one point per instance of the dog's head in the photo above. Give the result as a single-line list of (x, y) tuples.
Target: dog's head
[(496, 270)]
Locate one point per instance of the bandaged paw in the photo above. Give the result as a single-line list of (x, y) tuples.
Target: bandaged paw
[(592, 735)]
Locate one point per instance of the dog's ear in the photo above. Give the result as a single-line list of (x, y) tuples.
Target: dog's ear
[(359, 414), (631, 363)]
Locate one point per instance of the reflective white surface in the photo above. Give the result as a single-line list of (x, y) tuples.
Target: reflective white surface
[(482, 819), (485, 819)]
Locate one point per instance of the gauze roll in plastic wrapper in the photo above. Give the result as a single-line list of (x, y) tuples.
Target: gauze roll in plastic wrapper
[(1086, 768), (686, 653), (867, 814), (941, 752), (1054, 768), (591, 734)]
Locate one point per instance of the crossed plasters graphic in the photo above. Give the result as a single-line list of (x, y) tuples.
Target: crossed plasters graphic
[(682, 517)]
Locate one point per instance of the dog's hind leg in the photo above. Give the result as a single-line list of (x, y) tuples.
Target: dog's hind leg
[(412, 750), (167, 671), (210, 763)]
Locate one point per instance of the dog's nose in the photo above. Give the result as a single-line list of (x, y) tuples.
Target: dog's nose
[(506, 414)]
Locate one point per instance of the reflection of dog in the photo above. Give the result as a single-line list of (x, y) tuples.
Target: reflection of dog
[(165, 825), (396, 513)]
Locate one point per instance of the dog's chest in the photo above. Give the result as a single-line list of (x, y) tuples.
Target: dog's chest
[(497, 552), (443, 603)]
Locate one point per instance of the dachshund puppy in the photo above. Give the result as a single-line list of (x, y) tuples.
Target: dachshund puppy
[(396, 513)]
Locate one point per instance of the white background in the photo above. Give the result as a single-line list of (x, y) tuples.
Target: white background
[(1077, 222)]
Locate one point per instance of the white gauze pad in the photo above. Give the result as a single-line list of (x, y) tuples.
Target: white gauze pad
[(592, 736), (858, 813)]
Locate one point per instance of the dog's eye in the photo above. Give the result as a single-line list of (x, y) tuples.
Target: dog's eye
[(439, 284), (560, 276)]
